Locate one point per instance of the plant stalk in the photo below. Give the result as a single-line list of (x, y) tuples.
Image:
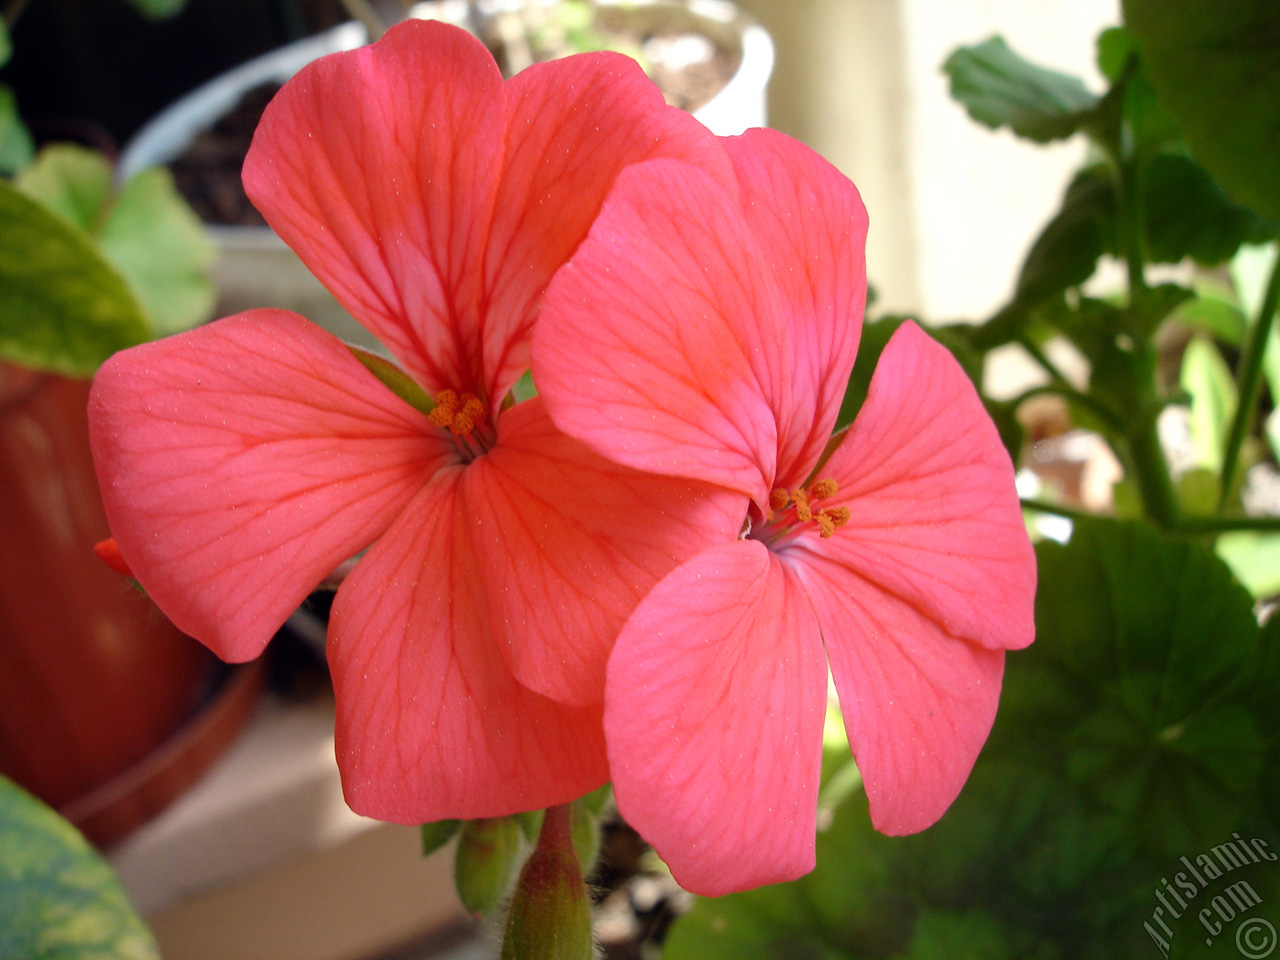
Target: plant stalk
[(1249, 381)]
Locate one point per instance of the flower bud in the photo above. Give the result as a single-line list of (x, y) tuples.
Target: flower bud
[(550, 916)]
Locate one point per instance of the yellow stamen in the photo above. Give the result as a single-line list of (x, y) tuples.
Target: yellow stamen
[(826, 525), (839, 515), (779, 498), (459, 415), (803, 511), (823, 489)]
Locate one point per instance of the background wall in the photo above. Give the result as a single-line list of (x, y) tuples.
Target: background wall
[(953, 205)]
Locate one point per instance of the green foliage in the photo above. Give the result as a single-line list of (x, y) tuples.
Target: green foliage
[(63, 307), (58, 899), (145, 229), (1215, 69), (16, 146), (157, 9), (1139, 728), (999, 88), (436, 835), (1206, 377)]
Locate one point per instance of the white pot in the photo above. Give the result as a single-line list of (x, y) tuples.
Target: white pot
[(256, 269)]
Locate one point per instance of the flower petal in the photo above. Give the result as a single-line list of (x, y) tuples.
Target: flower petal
[(813, 223), (431, 725), (572, 125), (662, 344), (244, 460), (571, 542), (934, 516), (379, 168), (714, 709), (917, 702)]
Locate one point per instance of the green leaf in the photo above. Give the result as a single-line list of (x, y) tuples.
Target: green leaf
[(1188, 215), (847, 908), (1206, 376), (999, 88), (146, 229), (1216, 67), (157, 9), (436, 835), (1254, 558), (58, 899), (158, 242), (1218, 317), (1142, 634), (1064, 256), (16, 146), (73, 181), (63, 307), (6, 43)]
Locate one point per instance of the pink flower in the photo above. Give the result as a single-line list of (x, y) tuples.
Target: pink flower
[(706, 329), (242, 462)]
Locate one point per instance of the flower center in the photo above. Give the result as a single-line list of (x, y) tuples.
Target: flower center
[(464, 417), (790, 511)]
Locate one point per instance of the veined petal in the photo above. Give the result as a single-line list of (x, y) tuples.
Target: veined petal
[(933, 514), (570, 542), (713, 713), (572, 125), (431, 725), (379, 168), (662, 344), (242, 461), (918, 703), (812, 222)]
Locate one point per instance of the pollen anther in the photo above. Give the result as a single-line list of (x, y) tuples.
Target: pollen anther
[(823, 489), (803, 511), (457, 414)]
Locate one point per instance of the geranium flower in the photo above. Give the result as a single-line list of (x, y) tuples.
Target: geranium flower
[(242, 462), (706, 329)]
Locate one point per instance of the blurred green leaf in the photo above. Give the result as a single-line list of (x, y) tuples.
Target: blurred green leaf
[(63, 307), (58, 898), (1146, 633), (1188, 215), (1063, 256), (145, 228), (72, 181), (999, 88), (157, 9), (6, 44), (1219, 318), (1254, 558), (1216, 67), (848, 908), (436, 835), (16, 146), (1207, 378)]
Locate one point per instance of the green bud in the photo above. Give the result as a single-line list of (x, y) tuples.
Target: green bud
[(486, 860), (550, 916)]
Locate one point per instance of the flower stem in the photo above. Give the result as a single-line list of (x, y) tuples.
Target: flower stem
[(1249, 381)]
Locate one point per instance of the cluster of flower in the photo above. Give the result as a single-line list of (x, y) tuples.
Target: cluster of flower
[(644, 572)]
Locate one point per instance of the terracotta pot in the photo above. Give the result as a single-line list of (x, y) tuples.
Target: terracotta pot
[(93, 678)]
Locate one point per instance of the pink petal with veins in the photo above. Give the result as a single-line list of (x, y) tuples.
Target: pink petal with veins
[(714, 710), (242, 461), (431, 725), (571, 542)]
